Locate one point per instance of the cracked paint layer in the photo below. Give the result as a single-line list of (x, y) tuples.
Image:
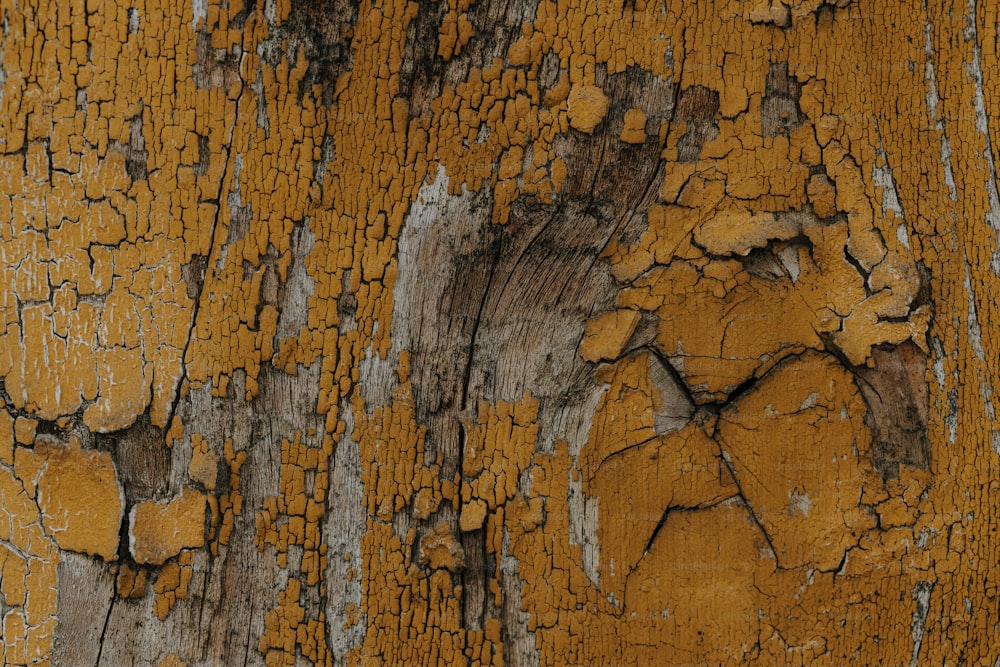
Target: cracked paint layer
[(77, 492), (29, 559), (191, 200)]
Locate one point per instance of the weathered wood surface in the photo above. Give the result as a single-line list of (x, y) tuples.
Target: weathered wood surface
[(342, 332)]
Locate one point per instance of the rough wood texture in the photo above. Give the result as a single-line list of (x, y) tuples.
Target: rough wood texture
[(479, 332)]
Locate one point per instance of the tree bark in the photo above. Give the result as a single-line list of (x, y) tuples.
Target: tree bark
[(533, 332)]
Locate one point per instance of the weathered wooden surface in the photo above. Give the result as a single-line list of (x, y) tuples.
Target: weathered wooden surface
[(498, 333)]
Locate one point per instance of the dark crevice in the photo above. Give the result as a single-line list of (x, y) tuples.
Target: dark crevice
[(860, 269), (124, 553), (621, 452), (656, 531), (473, 576), (746, 503), (839, 568), (179, 387), (738, 392), (681, 508), (104, 629)]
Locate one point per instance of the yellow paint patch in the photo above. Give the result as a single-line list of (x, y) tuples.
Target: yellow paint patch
[(7, 438), (737, 231), (160, 530), (131, 582), (95, 311), (638, 486), (172, 584), (606, 335), (124, 394), (291, 520), (587, 107), (811, 475), (171, 660), (24, 430), (78, 493), (290, 630), (455, 32), (28, 581), (712, 559), (634, 130), (473, 515), (231, 502), (439, 549)]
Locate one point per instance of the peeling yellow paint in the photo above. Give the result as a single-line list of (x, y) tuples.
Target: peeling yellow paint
[(160, 530), (24, 430), (811, 475), (634, 129), (607, 335), (7, 438), (77, 492), (28, 562), (171, 660), (587, 107), (292, 519), (439, 549), (148, 203), (456, 30), (289, 631), (172, 583), (230, 504), (131, 582)]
